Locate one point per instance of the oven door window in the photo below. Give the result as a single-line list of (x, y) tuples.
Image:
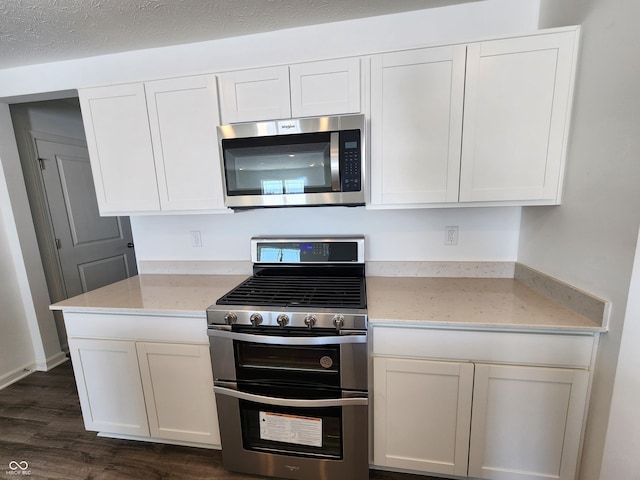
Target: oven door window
[(316, 365), (309, 432), (278, 165)]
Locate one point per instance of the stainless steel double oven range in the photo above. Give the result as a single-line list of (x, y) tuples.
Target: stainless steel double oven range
[(289, 356)]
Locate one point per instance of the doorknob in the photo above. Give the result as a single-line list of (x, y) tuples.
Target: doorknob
[(130, 245)]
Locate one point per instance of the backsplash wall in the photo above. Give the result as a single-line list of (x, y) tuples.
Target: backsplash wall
[(485, 234)]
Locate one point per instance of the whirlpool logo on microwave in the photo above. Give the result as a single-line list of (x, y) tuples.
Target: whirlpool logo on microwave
[(288, 126)]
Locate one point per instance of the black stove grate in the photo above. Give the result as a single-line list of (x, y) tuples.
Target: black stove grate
[(292, 291)]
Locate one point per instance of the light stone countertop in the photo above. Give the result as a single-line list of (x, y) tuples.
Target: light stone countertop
[(181, 295), (499, 303)]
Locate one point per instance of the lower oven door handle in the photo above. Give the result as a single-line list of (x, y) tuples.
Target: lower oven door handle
[(291, 402), (280, 340)]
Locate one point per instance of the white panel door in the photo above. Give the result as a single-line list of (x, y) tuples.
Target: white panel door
[(109, 386), (416, 125), (526, 422), (119, 142), (330, 87), (257, 94), (183, 115), (178, 386), (422, 413), (516, 113)]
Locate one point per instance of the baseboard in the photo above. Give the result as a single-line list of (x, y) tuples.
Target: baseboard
[(17, 374), (52, 362)]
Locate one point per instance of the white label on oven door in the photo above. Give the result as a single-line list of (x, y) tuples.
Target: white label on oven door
[(291, 429)]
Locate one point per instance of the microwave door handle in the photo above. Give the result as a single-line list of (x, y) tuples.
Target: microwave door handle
[(277, 340), (334, 152), (290, 402)]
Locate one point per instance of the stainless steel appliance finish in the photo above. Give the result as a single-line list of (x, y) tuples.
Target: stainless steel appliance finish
[(290, 363), (294, 162)]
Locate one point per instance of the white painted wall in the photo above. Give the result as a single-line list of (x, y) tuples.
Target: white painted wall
[(622, 444), (16, 350), (487, 234), (590, 240)]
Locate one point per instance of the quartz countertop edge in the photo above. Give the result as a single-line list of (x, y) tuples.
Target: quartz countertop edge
[(426, 302), (479, 326), (154, 294), (485, 303)]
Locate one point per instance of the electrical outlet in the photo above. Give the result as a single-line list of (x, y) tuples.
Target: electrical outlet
[(451, 235), (196, 238)]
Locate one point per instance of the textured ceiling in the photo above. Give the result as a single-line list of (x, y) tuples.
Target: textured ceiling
[(39, 31)]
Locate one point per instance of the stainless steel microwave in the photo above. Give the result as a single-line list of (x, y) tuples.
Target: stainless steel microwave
[(295, 162)]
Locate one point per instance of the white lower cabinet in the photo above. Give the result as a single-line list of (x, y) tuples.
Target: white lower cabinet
[(462, 417), (422, 411), (109, 386), (178, 387), (146, 389), (526, 422)]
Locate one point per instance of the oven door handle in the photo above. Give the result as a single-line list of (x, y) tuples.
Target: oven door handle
[(291, 402), (278, 340)]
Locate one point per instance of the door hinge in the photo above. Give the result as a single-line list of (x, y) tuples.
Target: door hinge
[(41, 162), (58, 244)]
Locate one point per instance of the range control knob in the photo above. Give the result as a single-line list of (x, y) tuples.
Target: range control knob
[(230, 318), (338, 321), (310, 320), (255, 319), (283, 319)]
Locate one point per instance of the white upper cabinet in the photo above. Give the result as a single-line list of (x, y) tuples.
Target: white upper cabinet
[(153, 146), (484, 122), (330, 87), (416, 125), (120, 151), (325, 88), (183, 114), (516, 112), (257, 94)]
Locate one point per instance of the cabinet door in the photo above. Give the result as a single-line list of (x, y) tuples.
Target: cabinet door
[(330, 87), (422, 413), (178, 386), (109, 386), (183, 114), (526, 422), (257, 94), (516, 113), (416, 125), (119, 142)]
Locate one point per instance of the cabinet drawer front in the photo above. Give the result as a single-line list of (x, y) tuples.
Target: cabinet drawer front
[(137, 327), (483, 346)]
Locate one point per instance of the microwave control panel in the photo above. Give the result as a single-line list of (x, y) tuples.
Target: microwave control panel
[(350, 162)]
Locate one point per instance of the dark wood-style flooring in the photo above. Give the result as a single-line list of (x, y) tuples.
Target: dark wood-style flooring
[(41, 424)]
